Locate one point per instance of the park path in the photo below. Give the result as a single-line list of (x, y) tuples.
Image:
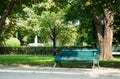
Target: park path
[(61, 73)]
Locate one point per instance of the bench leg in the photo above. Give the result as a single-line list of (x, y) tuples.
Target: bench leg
[(98, 65), (93, 66), (54, 65)]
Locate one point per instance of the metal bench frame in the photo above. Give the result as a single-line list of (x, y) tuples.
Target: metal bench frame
[(94, 59)]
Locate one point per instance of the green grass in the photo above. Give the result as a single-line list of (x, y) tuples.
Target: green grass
[(115, 63), (48, 60), (27, 59)]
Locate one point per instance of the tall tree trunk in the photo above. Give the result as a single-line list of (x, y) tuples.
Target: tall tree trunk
[(98, 24), (108, 35), (105, 34), (6, 13), (107, 47)]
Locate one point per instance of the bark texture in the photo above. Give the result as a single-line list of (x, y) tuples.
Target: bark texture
[(6, 13), (105, 34), (108, 35)]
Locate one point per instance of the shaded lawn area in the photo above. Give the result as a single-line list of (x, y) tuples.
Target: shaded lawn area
[(48, 60), (115, 63)]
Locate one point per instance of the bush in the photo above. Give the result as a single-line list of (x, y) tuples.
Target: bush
[(12, 42)]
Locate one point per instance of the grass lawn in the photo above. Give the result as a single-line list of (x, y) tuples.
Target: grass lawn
[(111, 64), (43, 60), (115, 63), (48, 60)]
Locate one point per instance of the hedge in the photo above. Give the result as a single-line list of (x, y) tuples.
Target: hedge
[(30, 50)]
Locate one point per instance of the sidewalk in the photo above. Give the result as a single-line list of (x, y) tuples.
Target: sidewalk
[(76, 71)]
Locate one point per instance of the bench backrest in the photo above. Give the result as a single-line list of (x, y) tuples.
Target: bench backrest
[(81, 52)]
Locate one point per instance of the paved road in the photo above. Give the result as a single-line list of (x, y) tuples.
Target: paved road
[(58, 73)]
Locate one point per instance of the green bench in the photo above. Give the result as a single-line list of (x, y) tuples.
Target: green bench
[(78, 55)]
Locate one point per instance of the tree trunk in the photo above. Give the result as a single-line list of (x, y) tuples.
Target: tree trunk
[(53, 38), (107, 47), (105, 34), (98, 24), (54, 47), (6, 13), (108, 35), (54, 41)]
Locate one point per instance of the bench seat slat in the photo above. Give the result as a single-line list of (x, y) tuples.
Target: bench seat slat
[(74, 59)]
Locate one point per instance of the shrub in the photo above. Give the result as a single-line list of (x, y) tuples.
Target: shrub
[(12, 42)]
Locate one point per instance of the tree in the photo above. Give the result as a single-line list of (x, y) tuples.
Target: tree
[(99, 14), (30, 20), (7, 12), (29, 25), (68, 35), (116, 39), (11, 7), (7, 31), (54, 27), (104, 27)]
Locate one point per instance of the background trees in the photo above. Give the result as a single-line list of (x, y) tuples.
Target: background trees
[(99, 14), (6, 11), (95, 22), (54, 28), (31, 17), (116, 39)]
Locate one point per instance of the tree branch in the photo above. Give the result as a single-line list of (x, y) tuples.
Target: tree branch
[(6, 13)]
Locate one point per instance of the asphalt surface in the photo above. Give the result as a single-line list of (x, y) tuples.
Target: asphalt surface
[(36, 72)]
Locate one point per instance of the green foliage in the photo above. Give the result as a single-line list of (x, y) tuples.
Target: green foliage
[(68, 36), (116, 40), (27, 17), (8, 30), (3, 5), (54, 28), (84, 11), (12, 42), (52, 23), (84, 29), (28, 26), (61, 4)]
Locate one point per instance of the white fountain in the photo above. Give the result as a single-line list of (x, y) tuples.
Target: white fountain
[(35, 42)]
